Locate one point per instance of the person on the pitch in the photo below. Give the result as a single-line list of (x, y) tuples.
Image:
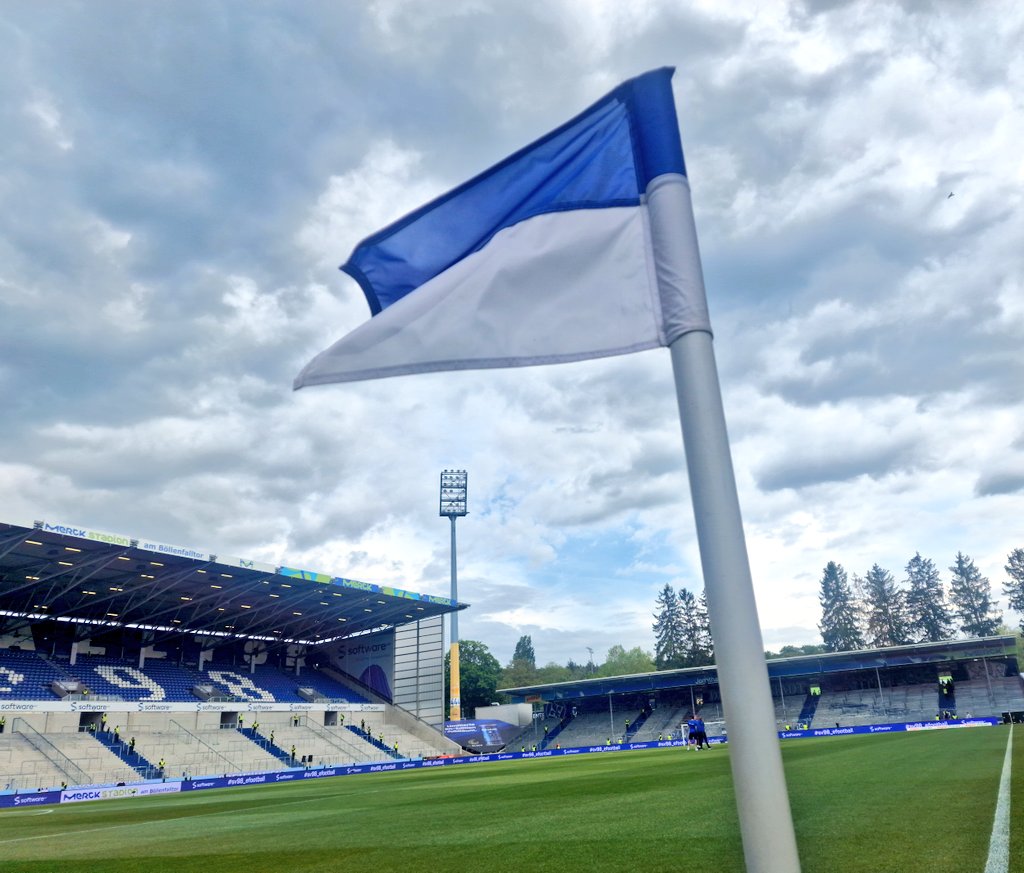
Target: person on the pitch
[(702, 737)]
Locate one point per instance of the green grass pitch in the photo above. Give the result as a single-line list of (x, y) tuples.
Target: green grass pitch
[(895, 803)]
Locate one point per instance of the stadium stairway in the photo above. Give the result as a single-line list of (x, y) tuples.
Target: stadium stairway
[(947, 700), (145, 769), (808, 709), (373, 741), (267, 746), (636, 724), (549, 737)]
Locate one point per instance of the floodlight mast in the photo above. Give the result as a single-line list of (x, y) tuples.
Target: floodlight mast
[(454, 493)]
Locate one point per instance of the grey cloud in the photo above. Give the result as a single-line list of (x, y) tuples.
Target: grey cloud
[(999, 483), (915, 358), (838, 464)]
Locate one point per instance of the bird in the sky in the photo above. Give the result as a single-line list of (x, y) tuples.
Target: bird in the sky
[(950, 194)]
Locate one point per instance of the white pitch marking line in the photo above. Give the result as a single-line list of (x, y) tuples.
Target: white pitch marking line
[(999, 844)]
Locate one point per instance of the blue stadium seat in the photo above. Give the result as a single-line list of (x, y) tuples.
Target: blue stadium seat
[(25, 676)]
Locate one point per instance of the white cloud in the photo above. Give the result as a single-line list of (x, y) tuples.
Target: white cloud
[(388, 183), (44, 111)]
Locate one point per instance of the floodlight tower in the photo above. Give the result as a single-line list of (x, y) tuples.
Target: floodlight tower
[(454, 493)]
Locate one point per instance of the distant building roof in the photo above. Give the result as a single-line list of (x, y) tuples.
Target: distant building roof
[(800, 665)]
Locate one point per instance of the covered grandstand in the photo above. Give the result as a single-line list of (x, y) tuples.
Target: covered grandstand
[(123, 659), (972, 678)]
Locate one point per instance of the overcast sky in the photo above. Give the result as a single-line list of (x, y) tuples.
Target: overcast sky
[(180, 181)]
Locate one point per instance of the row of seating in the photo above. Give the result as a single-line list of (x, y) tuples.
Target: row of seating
[(26, 676), (29, 676), (26, 765)]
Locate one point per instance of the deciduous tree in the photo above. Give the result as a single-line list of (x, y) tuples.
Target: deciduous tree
[(479, 672), (621, 663)]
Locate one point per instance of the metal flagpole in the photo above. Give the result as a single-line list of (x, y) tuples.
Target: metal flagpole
[(766, 823)]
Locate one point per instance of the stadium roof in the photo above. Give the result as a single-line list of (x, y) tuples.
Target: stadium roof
[(778, 668), (95, 579)]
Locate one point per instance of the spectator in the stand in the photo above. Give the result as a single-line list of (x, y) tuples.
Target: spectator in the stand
[(160, 765), (241, 721), (103, 722), (362, 725), (255, 726), (131, 745), (271, 737), (117, 733), (295, 721), (341, 718), (3, 723), (293, 753)]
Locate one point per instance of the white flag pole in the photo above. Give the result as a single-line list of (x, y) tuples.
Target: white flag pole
[(766, 823)]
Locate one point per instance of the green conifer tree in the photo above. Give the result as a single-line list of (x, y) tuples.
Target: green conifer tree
[(927, 612), (971, 595), (668, 631), (885, 610), (838, 625)]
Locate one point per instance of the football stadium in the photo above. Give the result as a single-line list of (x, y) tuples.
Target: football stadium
[(154, 698)]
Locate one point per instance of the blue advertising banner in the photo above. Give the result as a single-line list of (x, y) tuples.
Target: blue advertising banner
[(36, 798), (890, 728)]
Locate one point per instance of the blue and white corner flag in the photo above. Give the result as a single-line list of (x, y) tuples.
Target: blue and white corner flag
[(547, 257)]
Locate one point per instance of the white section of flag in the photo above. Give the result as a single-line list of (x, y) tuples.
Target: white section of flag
[(562, 286)]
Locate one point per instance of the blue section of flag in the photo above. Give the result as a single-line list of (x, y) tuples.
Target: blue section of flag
[(602, 158)]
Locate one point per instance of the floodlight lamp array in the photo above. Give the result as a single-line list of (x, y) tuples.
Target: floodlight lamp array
[(454, 493)]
